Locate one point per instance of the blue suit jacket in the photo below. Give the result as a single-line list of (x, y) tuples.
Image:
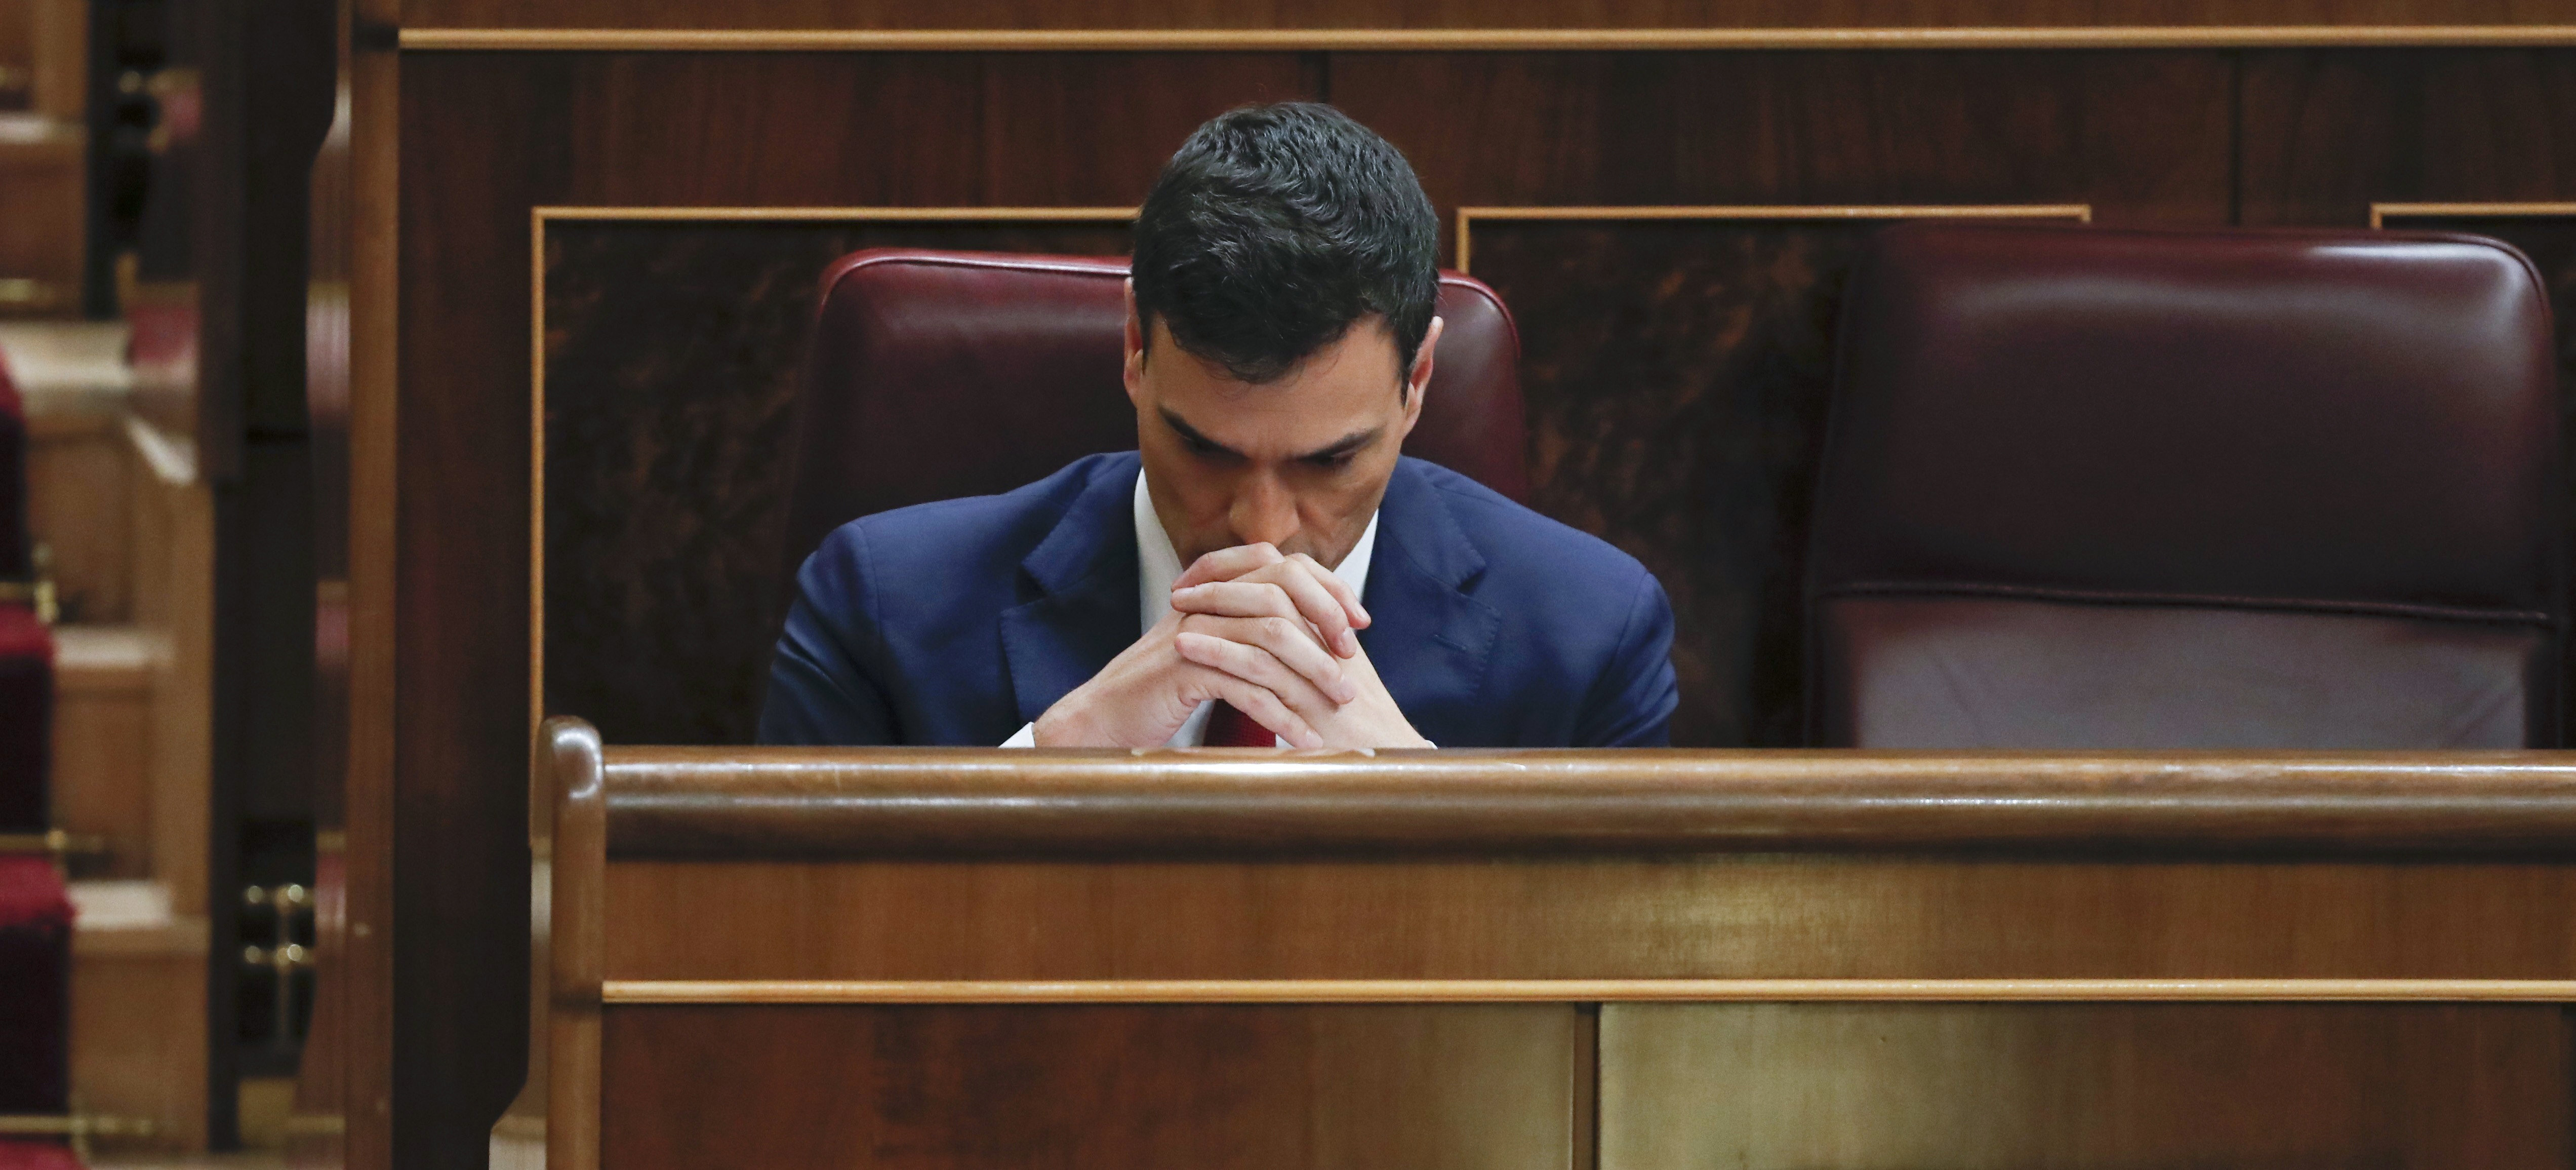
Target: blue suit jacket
[(959, 622)]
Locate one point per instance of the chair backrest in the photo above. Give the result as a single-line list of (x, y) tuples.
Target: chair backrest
[(943, 374), (2124, 489)]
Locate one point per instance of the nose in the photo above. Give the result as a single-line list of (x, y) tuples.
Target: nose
[(1263, 511)]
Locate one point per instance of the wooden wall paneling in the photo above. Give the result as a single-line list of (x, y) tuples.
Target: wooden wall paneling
[(2140, 137), (365, 922), (1539, 14), (2327, 133), (1739, 917), (1075, 129), (1464, 1086), (1676, 371), (1877, 1087), (477, 145)]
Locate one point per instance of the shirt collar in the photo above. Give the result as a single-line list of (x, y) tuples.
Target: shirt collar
[(1161, 565)]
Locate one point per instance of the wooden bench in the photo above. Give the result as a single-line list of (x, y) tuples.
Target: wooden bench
[(1630, 959)]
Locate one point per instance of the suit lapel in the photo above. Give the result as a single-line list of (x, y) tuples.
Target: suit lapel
[(1085, 572), (1430, 642)]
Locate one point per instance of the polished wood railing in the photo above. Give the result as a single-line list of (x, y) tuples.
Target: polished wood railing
[(1552, 958)]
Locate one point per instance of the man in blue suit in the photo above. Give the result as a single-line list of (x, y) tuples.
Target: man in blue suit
[(1279, 342)]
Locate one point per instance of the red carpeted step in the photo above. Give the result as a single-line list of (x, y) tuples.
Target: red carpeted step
[(36, 1155), (35, 987)]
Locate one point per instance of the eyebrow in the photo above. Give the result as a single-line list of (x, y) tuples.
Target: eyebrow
[(1335, 449)]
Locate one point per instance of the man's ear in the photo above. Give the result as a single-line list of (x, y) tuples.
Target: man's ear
[(1134, 372), (1417, 381)]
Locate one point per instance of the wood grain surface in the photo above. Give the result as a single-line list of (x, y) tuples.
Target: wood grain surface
[(1744, 917), (2086, 1085), (807, 803), (1109, 1087)]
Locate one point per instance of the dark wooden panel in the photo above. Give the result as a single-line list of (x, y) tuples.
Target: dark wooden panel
[(1719, 918), (1000, 14), (672, 357), (1878, 1087), (2143, 137), (1109, 1087), (1094, 129), (2326, 134), (864, 129), (479, 141)]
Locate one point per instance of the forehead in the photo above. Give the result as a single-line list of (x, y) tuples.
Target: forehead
[(1351, 385)]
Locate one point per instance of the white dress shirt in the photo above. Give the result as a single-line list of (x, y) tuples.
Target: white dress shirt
[(1160, 565)]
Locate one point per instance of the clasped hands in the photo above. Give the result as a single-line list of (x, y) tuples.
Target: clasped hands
[(1273, 635)]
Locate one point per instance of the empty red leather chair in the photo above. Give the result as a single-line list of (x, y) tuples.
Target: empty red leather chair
[(943, 374), (2122, 489)]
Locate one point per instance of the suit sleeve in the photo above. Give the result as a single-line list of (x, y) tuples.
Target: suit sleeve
[(821, 687), (1632, 703)]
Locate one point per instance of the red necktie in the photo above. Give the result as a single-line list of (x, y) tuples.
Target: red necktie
[(1227, 727)]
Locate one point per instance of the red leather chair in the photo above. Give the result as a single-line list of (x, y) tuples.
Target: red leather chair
[(943, 374), (2122, 489)]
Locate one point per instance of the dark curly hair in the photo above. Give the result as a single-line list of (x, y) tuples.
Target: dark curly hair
[(1277, 226)]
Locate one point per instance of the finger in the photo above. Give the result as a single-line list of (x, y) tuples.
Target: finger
[(1276, 640), (1226, 564), (1307, 587), (1237, 599), (1264, 707), (1255, 665), (1282, 590), (1340, 589)]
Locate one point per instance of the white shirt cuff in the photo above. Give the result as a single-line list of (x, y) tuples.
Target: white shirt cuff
[(1027, 738)]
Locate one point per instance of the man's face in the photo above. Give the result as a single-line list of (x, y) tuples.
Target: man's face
[(1299, 463)]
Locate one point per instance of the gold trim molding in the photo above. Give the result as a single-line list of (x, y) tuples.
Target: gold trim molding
[(2380, 212), (1479, 39), (788, 991), (1467, 216)]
